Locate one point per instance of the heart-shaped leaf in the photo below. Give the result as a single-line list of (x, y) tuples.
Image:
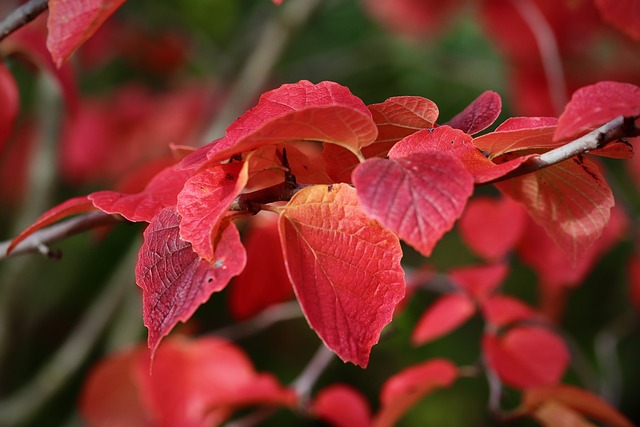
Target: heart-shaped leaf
[(478, 115)]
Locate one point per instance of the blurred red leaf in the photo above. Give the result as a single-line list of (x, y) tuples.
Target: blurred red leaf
[(521, 133), (194, 383), (554, 414), (67, 208), (478, 115), (502, 310), (578, 400), (479, 281), (161, 192), (344, 267), (342, 406), (633, 269), (594, 105), (443, 316), (326, 112), (622, 14), (173, 278), (264, 281), (10, 101), (491, 227), (72, 22), (419, 197), (570, 200), (204, 200), (526, 356), (401, 116), (406, 388)]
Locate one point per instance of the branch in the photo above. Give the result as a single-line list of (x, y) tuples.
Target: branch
[(39, 241), (618, 128), (21, 17), (270, 316)]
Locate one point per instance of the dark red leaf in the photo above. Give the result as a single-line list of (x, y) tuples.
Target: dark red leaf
[(491, 227), (72, 206), (478, 115), (443, 316), (10, 101), (581, 401), (344, 267), (622, 14), (173, 278), (419, 197), (401, 116), (342, 406), (593, 106), (72, 22), (526, 357), (203, 202), (502, 310), (479, 281), (406, 388), (264, 281), (570, 200)]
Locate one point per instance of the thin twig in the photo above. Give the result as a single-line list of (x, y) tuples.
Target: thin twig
[(316, 366), (21, 16), (270, 316), (26, 402)]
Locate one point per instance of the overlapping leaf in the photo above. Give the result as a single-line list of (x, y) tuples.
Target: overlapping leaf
[(204, 200), (419, 197), (526, 356), (594, 105), (570, 200), (72, 22), (401, 116), (516, 134), (403, 390), (479, 281), (324, 112), (173, 278), (478, 115), (342, 406), (344, 267)]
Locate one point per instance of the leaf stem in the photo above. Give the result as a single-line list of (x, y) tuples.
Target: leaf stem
[(22, 16)]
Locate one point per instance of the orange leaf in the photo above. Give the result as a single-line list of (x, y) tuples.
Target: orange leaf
[(401, 116)]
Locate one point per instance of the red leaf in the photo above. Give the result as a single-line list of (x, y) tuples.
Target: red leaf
[(526, 357), (522, 133), (324, 112), (161, 192), (204, 200), (593, 106), (401, 116), (69, 207), (622, 14), (443, 316), (342, 406), (478, 115), (419, 197), (10, 101), (502, 310), (553, 414), (479, 281), (264, 281), (174, 280), (577, 399), (457, 143), (406, 388), (491, 227), (344, 267), (634, 280), (570, 200), (72, 22)]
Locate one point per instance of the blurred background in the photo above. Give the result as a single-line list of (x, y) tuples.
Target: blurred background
[(160, 73)]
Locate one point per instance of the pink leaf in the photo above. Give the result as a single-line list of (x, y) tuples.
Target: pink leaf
[(406, 388), (72, 22), (10, 101), (204, 200), (401, 116), (479, 281), (344, 267), (342, 406), (443, 316), (478, 115), (69, 207), (491, 227), (570, 200), (502, 310), (419, 197), (161, 192), (622, 14), (174, 280), (302, 111), (593, 106), (526, 357)]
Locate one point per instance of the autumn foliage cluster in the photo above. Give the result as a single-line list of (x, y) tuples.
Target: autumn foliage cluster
[(314, 194)]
